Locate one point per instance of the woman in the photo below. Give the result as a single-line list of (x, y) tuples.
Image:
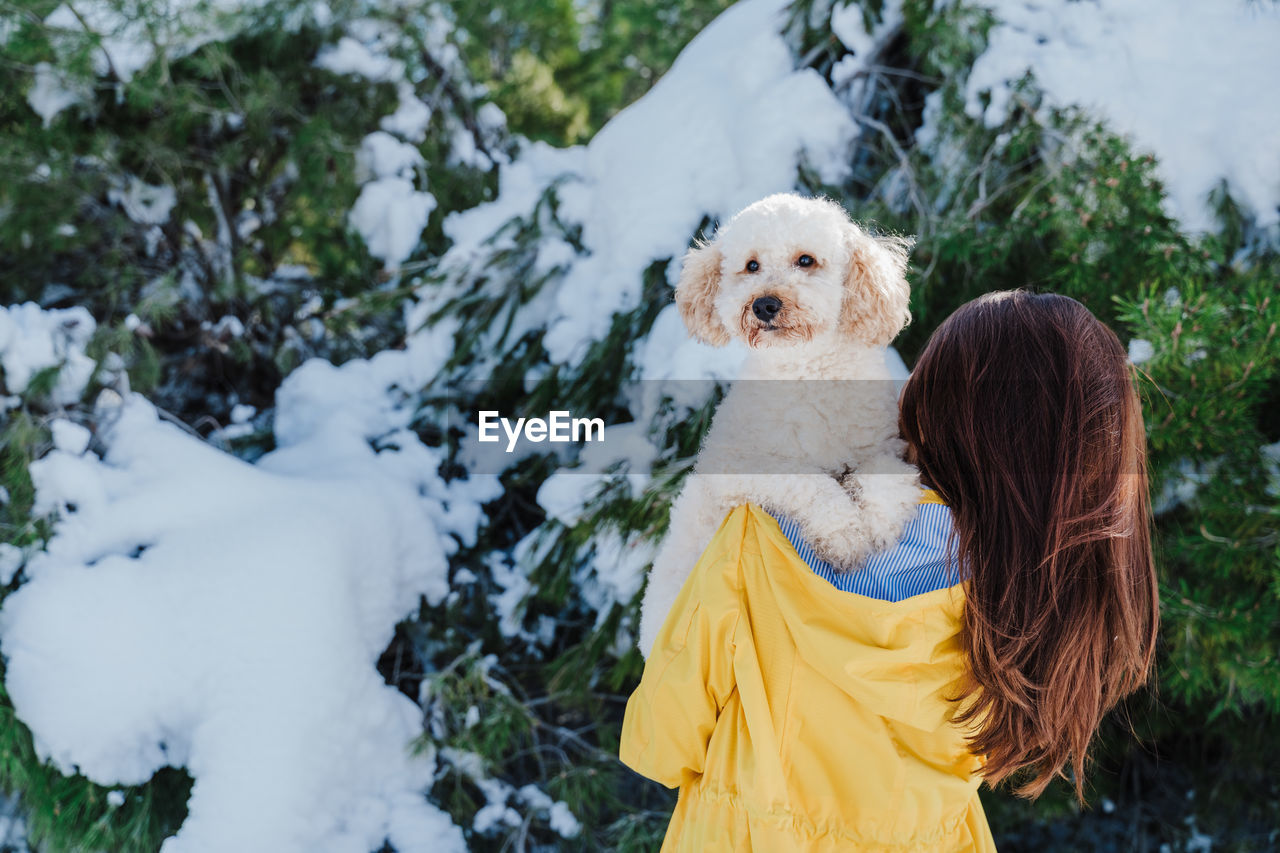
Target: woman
[(801, 710)]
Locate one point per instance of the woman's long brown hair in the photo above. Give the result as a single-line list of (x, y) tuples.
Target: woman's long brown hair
[(1022, 413)]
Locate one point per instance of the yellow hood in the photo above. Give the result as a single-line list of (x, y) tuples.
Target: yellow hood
[(897, 658)]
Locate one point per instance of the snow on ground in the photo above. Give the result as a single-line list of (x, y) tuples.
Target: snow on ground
[(722, 128), (230, 616), (1187, 80)]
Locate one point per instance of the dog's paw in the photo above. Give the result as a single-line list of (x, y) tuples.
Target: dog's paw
[(888, 503), (845, 549), (838, 534), (848, 479)]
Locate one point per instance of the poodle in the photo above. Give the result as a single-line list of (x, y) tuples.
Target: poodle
[(809, 430)]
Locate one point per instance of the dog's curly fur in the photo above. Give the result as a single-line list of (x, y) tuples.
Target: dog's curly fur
[(823, 453)]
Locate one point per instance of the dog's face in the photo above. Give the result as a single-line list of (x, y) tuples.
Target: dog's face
[(789, 269)]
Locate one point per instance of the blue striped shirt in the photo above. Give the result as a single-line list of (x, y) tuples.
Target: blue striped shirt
[(915, 565)]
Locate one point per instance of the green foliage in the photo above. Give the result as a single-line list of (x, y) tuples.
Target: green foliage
[(1212, 378), (65, 813), (560, 70), (258, 145), (70, 813), (22, 439)]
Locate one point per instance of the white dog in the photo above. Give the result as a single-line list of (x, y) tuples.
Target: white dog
[(817, 299)]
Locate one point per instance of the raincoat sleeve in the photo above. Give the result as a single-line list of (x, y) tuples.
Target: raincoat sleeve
[(689, 674)]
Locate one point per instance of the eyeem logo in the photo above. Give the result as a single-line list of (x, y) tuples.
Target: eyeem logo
[(558, 427)]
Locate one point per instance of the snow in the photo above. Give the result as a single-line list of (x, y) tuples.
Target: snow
[(490, 116), (11, 559), (1197, 842), (233, 628), (381, 155), (240, 643), (558, 814), (1270, 454), (242, 412), (142, 202), (669, 353), (849, 26), (612, 575), (498, 812), (53, 92), (565, 494), (1141, 351), (495, 814), (124, 47), (390, 212), (69, 437), (411, 118), (364, 53), (390, 215), (32, 339), (508, 604), (228, 326), (1184, 79), (13, 829), (722, 128), (1182, 483), (350, 56), (563, 821), (128, 42)]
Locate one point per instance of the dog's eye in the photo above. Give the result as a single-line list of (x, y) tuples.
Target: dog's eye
[(753, 265), (806, 260)]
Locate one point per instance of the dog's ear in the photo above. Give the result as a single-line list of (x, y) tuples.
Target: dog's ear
[(877, 296), (696, 294)]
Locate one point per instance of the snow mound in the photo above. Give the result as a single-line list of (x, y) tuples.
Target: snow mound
[(1182, 78), (228, 620), (228, 617)]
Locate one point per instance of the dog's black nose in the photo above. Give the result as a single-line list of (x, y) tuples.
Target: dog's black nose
[(766, 308)]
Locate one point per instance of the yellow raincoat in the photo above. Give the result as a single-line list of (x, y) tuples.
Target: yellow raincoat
[(795, 716)]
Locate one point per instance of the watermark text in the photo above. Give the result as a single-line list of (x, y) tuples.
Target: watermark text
[(558, 426)]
